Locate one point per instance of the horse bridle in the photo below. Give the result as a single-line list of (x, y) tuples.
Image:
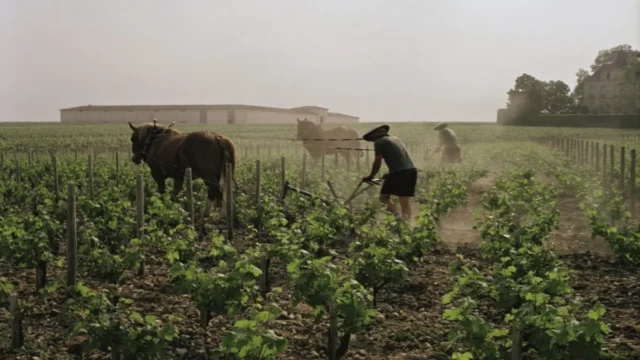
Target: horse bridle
[(150, 139)]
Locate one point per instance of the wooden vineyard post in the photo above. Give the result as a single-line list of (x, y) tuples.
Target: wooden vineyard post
[(263, 281), (632, 182), (516, 345), (117, 165), (597, 157), (56, 184), (577, 151), (283, 179), (303, 172), (257, 191), (190, 207), (570, 148), (333, 332), (18, 171), (41, 275), (348, 160), (588, 153), (90, 170), (580, 151), (140, 214), (17, 333), (612, 163), (227, 183), (593, 152), (604, 164), (622, 168), (585, 158), (72, 241)]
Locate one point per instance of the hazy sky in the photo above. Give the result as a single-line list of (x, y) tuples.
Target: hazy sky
[(393, 60)]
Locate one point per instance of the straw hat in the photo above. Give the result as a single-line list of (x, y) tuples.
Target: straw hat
[(375, 133), (440, 126)]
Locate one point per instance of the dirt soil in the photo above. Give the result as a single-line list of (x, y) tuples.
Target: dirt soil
[(409, 326), (456, 227)]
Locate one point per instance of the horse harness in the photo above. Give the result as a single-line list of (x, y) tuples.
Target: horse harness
[(153, 138)]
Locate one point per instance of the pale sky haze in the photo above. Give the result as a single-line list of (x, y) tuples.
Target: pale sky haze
[(392, 60)]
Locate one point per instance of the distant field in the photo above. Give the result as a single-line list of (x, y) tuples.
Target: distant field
[(63, 137)]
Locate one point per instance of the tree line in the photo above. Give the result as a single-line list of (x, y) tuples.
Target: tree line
[(531, 96)]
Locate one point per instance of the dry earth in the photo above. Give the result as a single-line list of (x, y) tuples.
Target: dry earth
[(409, 326)]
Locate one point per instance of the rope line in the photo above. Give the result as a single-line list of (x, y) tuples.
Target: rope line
[(271, 138), (316, 146)]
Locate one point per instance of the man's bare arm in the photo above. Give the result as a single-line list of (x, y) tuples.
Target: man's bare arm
[(376, 166)]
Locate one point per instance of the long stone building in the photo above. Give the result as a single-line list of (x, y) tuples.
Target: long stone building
[(200, 114)]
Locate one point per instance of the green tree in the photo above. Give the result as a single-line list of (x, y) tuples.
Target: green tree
[(557, 97), (604, 56), (578, 90), (527, 96)]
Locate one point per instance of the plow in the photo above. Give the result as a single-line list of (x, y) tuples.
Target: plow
[(358, 191)]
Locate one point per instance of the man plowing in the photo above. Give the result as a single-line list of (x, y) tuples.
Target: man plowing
[(402, 177)]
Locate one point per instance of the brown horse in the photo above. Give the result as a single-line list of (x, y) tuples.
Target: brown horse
[(317, 148), (169, 153)]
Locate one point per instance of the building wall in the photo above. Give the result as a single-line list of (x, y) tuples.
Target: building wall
[(601, 91), (213, 116), (217, 116), (136, 116), (165, 116), (188, 117), (272, 117), (341, 119)]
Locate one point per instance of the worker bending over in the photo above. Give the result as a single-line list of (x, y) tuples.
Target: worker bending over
[(447, 139), (402, 176)]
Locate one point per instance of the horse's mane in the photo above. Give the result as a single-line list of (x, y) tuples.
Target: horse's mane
[(159, 129)]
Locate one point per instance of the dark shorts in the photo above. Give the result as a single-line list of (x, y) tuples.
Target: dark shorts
[(400, 183), (451, 154)]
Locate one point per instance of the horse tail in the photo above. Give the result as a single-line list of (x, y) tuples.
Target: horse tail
[(228, 154)]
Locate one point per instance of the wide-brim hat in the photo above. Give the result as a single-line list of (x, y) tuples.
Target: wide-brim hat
[(440, 127), (375, 132)]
